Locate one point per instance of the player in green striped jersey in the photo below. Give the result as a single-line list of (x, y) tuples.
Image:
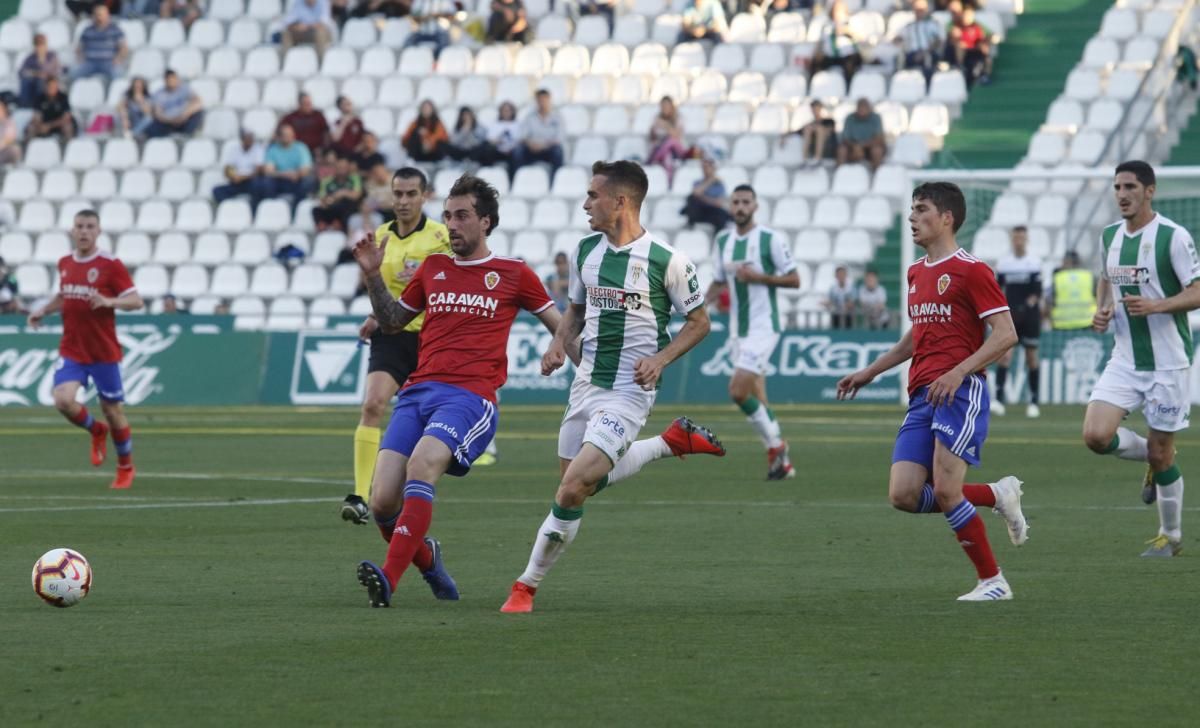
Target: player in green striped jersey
[(1152, 272), (624, 284), (757, 261)]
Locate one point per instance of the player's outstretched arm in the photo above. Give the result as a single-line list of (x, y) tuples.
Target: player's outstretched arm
[(1002, 338), (552, 320), (647, 371), (131, 301), (746, 274), (848, 386), (391, 316), (54, 305), (566, 336)]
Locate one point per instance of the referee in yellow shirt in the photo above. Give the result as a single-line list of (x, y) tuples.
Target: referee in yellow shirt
[(411, 237)]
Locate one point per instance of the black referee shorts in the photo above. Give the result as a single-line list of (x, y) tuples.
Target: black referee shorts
[(1028, 323), (395, 354)]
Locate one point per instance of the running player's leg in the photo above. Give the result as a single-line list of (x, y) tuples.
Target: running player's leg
[(387, 370), (430, 460), (111, 392), (949, 471), (998, 403), (1167, 411), (1033, 374), (68, 378), (1118, 392)]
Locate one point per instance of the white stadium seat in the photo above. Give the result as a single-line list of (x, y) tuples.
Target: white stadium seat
[(50, 247), (211, 248), (59, 185), (189, 280), (151, 280), (269, 280)]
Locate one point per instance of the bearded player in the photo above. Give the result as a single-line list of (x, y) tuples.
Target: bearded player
[(952, 299), (93, 287)]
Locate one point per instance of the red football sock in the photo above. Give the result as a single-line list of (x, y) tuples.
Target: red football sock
[(423, 558), (972, 536), (980, 494), (123, 439), (85, 420), (409, 535)]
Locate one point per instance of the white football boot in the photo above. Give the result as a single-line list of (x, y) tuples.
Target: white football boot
[(998, 408), (1008, 506), (995, 589)]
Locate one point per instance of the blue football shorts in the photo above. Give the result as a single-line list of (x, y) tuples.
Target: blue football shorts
[(961, 425), (461, 419), (106, 376)]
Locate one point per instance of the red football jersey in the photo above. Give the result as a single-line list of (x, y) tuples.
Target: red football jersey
[(90, 335), (469, 308), (947, 302)]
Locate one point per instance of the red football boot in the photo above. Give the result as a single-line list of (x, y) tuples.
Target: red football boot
[(685, 437)]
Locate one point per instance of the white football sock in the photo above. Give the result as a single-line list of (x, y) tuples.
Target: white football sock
[(766, 426), (1170, 509), (638, 456), (1130, 445), (552, 540)]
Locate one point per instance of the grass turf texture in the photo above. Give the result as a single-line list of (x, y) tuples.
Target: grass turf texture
[(696, 593)]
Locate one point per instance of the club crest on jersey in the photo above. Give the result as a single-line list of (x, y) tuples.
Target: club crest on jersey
[(943, 283), (491, 279), (637, 272), (92, 275)]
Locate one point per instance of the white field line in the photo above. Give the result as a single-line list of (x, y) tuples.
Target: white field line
[(161, 502)]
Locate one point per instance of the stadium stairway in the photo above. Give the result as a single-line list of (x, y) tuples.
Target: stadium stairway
[(998, 121), (1187, 151)]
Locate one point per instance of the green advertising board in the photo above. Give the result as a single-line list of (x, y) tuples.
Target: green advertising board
[(194, 360)]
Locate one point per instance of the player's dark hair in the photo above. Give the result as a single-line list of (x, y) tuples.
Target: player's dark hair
[(1020, 229), (412, 173), (945, 197), (1143, 171), (89, 213), (629, 177), (746, 188), (487, 199)]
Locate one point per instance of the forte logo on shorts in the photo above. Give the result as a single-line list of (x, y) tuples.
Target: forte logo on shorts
[(613, 424), (1128, 275), (613, 299), (442, 426)]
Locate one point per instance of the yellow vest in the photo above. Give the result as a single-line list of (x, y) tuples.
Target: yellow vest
[(1074, 299), (407, 253)]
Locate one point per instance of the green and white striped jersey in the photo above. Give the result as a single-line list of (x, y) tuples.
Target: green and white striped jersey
[(753, 307), (629, 292), (1157, 261)]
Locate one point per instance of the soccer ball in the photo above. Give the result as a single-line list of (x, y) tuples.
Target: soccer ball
[(62, 577)]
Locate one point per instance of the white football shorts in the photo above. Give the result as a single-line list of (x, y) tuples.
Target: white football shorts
[(753, 353), (609, 419), (1164, 396)]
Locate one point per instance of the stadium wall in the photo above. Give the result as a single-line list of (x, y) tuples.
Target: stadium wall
[(202, 360)]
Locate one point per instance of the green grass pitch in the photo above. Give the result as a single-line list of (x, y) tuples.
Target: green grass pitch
[(696, 593)]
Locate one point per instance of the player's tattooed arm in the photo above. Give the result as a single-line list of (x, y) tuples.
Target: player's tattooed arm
[(392, 317)]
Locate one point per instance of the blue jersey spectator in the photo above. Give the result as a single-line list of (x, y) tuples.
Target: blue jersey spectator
[(101, 49)]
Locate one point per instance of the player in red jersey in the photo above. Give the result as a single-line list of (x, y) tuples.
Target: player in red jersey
[(93, 286), (952, 299), (446, 413)]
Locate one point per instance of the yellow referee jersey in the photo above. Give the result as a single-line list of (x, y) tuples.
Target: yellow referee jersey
[(407, 252)]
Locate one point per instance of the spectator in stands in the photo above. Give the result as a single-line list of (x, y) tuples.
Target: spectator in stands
[(9, 291), (52, 114), (38, 66), (377, 187), (432, 19), (542, 133), (556, 282), (872, 302), (578, 8), (340, 195), (504, 133), (469, 141), (508, 22), (862, 137), (386, 8), (819, 135), (185, 11), (703, 20), (838, 46), (308, 22), (347, 133), (170, 305), (287, 169), (922, 40), (771, 8), (135, 109), (666, 137), (426, 138), (10, 147), (709, 200), (840, 299), (79, 8), (368, 156), (308, 124), (102, 49), (242, 163), (222, 308), (176, 108), (971, 48)]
